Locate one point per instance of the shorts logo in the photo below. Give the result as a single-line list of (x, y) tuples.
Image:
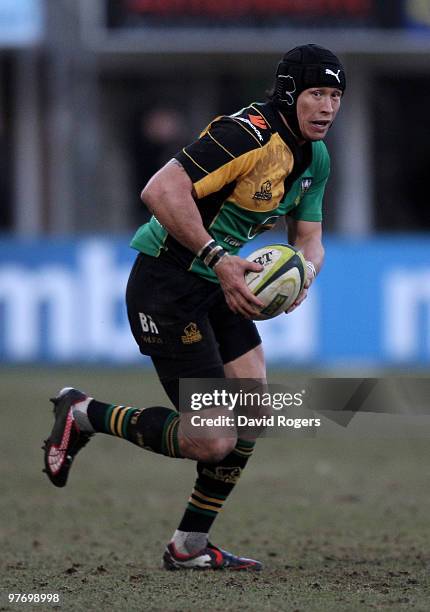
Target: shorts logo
[(229, 475), (151, 339), (191, 334), (147, 323), (258, 121), (265, 193)]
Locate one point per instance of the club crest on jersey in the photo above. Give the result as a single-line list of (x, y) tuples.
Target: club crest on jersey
[(306, 184), (265, 193)]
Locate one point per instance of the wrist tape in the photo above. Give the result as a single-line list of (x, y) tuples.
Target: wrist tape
[(310, 266), (211, 254)]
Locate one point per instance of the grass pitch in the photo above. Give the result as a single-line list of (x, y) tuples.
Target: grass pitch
[(340, 524)]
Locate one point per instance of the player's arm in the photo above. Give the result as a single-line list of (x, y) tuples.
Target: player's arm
[(307, 236), (169, 195)]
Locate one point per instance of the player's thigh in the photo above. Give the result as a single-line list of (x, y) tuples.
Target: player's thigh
[(197, 439), (171, 371), (250, 365), (244, 363), (166, 311), (239, 343)]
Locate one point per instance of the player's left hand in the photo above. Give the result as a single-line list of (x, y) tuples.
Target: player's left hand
[(304, 292)]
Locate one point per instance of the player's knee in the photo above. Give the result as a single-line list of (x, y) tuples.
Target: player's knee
[(214, 451), (208, 450)]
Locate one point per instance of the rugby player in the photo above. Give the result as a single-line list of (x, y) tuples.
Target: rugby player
[(188, 304)]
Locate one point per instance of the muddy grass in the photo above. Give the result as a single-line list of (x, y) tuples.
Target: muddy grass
[(340, 524)]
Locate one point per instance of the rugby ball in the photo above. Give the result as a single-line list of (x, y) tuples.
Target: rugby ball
[(281, 280)]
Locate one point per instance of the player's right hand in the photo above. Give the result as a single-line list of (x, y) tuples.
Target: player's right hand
[(231, 274), (310, 277)]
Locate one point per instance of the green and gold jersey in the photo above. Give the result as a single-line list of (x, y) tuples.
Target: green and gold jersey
[(247, 171)]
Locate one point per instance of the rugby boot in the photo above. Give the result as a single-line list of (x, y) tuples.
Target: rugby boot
[(66, 439), (210, 557)]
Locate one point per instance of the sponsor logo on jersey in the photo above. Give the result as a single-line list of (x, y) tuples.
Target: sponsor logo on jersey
[(258, 121), (247, 121), (232, 241), (265, 193), (191, 334)]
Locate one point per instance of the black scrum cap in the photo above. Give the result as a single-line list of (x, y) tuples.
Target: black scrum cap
[(304, 67)]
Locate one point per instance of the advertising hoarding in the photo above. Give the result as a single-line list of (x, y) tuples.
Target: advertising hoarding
[(62, 301)]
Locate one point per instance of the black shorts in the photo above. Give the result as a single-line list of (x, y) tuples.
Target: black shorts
[(181, 318)]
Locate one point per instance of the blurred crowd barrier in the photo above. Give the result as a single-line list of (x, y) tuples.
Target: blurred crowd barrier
[(62, 301), (96, 95)]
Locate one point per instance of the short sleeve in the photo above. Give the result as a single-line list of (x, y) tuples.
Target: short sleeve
[(224, 151), (316, 176)]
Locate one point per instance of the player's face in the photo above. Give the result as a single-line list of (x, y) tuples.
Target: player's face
[(317, 108)]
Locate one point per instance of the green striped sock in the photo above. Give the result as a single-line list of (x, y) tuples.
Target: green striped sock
[(154, 428), (214, 484)]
